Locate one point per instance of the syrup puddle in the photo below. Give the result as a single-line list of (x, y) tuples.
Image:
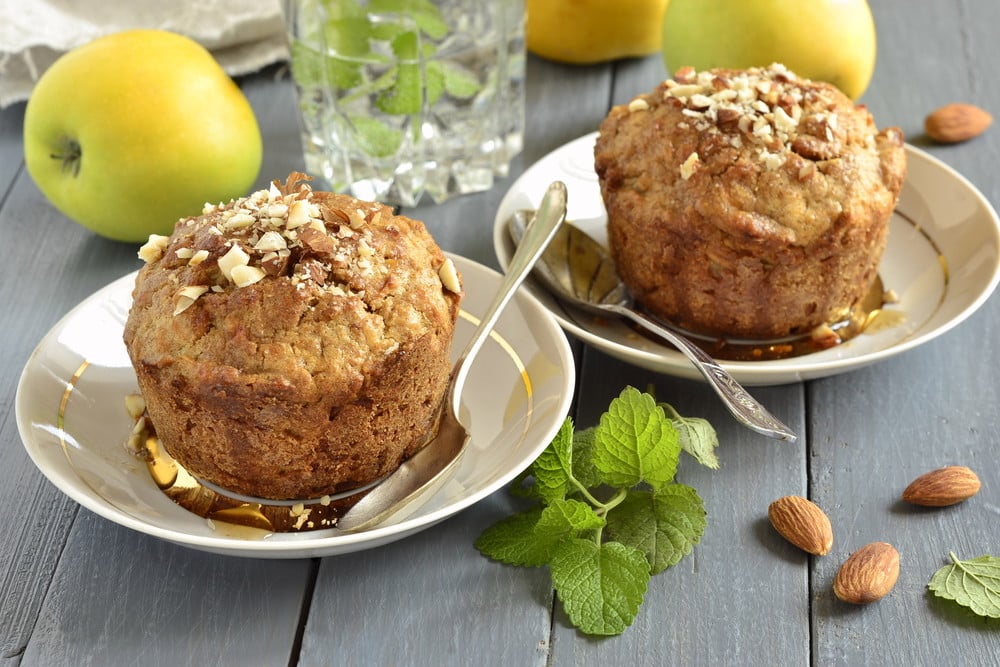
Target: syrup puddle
[(869, 315), (233, 517)]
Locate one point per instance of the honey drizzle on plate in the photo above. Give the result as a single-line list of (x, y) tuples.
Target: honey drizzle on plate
[(232, 517), (868, 315)]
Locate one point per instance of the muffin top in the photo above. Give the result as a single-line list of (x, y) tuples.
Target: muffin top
[(761, 153), (290, 287)]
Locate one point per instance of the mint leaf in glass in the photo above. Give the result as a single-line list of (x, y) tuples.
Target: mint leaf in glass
[(971, 583), (458, 81), (346, 36), (635, 442), (601, 586), (307, 65), (424, 13), (375, 137), (405, 97)]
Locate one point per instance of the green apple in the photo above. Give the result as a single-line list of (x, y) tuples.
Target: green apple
[(824, 40), (130, 132)]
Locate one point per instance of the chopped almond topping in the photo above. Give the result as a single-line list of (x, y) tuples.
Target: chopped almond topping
[(154, 248)]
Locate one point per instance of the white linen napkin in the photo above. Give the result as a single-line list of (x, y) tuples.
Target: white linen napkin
[(243, 35)]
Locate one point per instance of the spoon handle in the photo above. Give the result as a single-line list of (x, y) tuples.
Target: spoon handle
[(740, 403), (550, 215)]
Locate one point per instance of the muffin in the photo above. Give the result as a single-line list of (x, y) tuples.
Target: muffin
[(293, 344), (747, 203)]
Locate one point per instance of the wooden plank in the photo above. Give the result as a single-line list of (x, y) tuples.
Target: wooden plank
[(684, 620), (119, 597), (63, 264), (563, 102), (78, 263), (430, 599), (76, 589), (706, 610), (876, 429), (11, 146)]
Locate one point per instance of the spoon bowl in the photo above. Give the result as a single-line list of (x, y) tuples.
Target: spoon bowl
[(578, 270)]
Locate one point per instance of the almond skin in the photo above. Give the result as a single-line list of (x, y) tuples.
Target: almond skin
[(803, 523), (942, 487), (953, 123), (868, 574)]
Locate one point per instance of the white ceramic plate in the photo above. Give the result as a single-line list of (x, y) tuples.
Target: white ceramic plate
[(942, 260), (71, 416)]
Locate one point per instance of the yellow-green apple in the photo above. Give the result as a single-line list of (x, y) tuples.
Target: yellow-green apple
[(591, 31), (130, 132), (824, 40)]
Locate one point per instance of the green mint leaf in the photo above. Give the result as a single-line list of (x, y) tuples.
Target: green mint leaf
[(971, 583), (529, 539), (376, 138), (347, 38), (347, 35), (434, 81), (583, 458), (306, 65), (406, 95), (342, 74), (697, 437), (386, 31), (664, 525), (513, 540), (308, 69), (565, 518), (458, 81), (635, 442), (601, 586), (523, 486), (554, 466), (341, 9), (610, 516), (424, 13)]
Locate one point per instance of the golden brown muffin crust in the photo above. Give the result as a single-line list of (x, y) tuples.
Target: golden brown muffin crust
[(747, 202), (315, 350)]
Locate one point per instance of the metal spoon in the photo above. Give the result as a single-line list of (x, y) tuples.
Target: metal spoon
[(400, 492), (579, 270)]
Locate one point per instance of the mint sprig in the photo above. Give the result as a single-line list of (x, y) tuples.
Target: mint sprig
[(609, 513), (698, 438), (412, 30), (971, 583)]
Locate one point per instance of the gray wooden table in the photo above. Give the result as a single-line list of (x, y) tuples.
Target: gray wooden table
[(78, 590)]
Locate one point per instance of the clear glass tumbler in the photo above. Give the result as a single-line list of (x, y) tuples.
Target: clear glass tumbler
[(402, 97)]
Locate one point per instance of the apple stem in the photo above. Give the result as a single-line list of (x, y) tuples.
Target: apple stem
[(70, 156)]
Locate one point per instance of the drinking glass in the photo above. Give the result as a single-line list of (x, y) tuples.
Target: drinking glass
[(398, 98)]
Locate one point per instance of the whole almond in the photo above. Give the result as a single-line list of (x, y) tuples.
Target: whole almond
[(868, 574), (803, 523), (942, 487), (956, 122)]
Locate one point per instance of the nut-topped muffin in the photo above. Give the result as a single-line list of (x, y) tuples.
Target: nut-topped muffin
[(293, 344), (747, 203)]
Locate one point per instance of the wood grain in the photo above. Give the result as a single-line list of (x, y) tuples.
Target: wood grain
[(78, 590)]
